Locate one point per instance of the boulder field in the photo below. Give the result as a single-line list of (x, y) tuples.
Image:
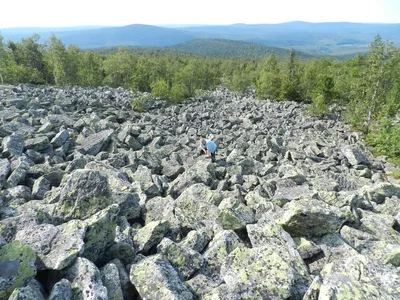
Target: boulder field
[(98, 201)]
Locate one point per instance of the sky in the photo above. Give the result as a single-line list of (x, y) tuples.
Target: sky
[(62, 13)]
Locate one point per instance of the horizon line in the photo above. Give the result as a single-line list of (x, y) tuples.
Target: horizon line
[(189, 25)]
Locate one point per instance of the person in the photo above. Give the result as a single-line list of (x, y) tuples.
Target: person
[(208, 148)]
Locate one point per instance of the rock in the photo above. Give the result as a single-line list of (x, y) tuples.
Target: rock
[(150, 235), (203, 171), (223, 243), (128, 203), (61, 291), (60, 138), (100, 232), (184, 260), (354, 156), (96, 142), (155, 278), (31, 291), (133, 143), (198, 239), (263, 273), (17, 175), (57, 246), (200, 286), (40, 187), (358, 275), (147, 185), (310, 216), (17, 267), (379, 191), (189, 209), (5, 169), (13, 145), (85, 280), (84, 193), (38, 144), (111, 280), (128, 290)]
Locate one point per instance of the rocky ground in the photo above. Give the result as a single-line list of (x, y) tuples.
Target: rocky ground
[(100, 202)]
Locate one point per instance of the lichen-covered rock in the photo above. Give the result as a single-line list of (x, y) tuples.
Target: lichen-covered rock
[(354, 156), (223, 243), (60, 138), (155, 278), (263, 272), (358, 277), (111, 280), (31, 291), (306, 248), (288, 171), (234, 214), (129, 204), (159, 208), (198, 239), (128, 290), (144, 178), (368, 244), (381, 226), (17, 267), (38, 143), (85, 280), (203, 171), (17, 176), (201, 285), (190, 210), (185, 260), (100, 232), (5, 169), (379, 191), (56, 246), (314, 217), (40, 187), (150, 235), (61, 291), (84, 193), (95, 142), (13, 145)]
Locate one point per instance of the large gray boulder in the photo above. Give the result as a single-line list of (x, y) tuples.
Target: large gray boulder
[(57, 246), (85, 280), (17, 267), (185, 260), (314, 217), (13, 145), (155, 278), (84, 193), (95, 142)]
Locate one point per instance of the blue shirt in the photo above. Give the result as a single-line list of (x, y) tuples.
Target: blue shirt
[(211, 146)]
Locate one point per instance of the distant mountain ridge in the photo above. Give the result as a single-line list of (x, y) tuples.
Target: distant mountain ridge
[(234, 49), (330, 38)]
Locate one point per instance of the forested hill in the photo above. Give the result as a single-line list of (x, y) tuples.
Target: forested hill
[(316, 38), (234, 49)]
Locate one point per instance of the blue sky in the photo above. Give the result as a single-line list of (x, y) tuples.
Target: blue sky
[(49, 13)]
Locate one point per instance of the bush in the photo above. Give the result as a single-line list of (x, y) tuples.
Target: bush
[(318, 106), (139, 103), (385, 140), (160, 88)]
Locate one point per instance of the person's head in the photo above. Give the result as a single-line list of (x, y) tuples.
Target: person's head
[(203, 142)]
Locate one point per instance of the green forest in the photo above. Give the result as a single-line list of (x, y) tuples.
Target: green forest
[(365, 89)]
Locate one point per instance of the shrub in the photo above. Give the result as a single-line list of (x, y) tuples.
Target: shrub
[(385, 140)]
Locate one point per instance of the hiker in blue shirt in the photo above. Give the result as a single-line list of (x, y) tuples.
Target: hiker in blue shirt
[(209, 148)]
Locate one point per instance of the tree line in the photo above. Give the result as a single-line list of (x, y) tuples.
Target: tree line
[(366, 87)]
